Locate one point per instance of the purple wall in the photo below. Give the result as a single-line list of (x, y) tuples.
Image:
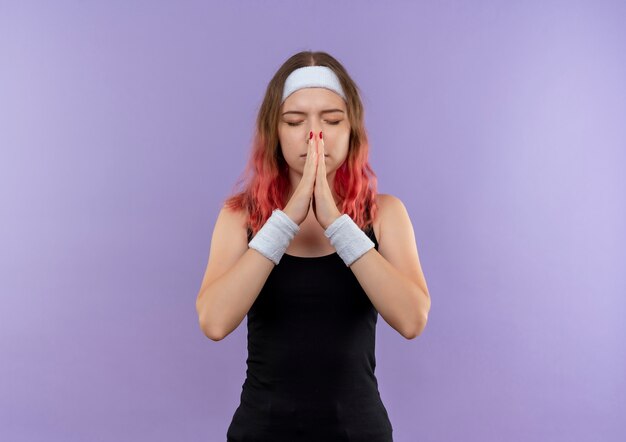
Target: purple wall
[(123, 125)]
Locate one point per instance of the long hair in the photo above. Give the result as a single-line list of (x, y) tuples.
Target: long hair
[(266, 179)]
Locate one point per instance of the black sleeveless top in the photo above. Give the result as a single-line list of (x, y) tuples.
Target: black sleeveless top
[(310, 366)]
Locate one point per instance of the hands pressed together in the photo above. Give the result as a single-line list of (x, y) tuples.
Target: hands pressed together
[(313, 190)]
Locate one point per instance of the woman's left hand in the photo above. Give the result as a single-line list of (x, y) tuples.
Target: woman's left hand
[(324, 206)]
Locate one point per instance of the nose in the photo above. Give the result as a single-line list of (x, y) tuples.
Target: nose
[(316, 131)]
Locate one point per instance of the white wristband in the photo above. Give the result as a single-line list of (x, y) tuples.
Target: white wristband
[(348, 239), (274, 237)]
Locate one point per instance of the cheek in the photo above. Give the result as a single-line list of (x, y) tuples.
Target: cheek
[(342, 137), (341, 142), (290, 142), (293, 147)]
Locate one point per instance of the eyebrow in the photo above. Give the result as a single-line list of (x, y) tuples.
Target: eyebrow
[(326, 111)]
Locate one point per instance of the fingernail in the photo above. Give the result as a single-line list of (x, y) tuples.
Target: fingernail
[(310, 135), (320, 134)]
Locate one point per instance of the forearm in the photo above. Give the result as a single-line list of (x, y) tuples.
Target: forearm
[(402, 304), (223, 304)]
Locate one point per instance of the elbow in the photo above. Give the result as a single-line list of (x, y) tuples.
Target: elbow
[(418, 325), (216, 337), (418, 322), (417, 328), (211, 332)]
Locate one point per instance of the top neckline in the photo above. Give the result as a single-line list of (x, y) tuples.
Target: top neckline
[(309, 257)]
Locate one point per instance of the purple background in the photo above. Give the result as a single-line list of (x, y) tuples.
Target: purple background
[(123, 125)]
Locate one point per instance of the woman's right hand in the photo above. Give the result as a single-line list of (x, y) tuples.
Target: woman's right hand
[(298, 206)]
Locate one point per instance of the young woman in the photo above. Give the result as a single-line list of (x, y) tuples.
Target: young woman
[(311, 254)]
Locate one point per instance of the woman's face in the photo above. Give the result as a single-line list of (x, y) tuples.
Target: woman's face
[(304, 111)]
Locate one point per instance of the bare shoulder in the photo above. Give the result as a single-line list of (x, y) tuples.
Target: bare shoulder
[(228, 243), (379, 199), (237, 218), (232, 224), (389, 206), (397, 239), (382, 202)]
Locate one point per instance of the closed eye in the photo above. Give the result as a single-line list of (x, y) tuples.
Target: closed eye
[(334, 123)]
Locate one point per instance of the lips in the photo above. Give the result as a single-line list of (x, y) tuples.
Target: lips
[(305, 155)]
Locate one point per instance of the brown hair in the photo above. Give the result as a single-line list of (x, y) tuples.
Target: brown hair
[(266, 173)]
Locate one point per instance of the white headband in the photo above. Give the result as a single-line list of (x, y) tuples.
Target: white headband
[(312, 76)]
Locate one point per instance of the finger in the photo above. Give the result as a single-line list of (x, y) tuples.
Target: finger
[(321, 167), (323, 156), (311, 160)]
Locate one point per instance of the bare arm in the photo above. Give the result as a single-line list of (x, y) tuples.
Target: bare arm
[(223, 304), (234, 277), (392, 277)]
